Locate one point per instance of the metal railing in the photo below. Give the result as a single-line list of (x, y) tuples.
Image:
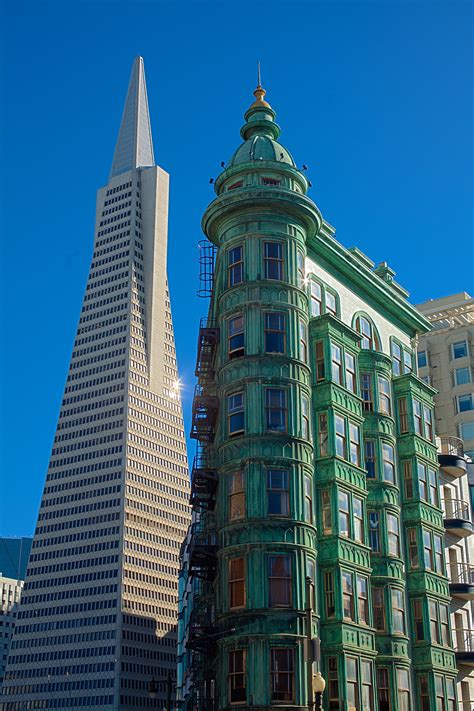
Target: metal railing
[(461, 573), (457, 508), (450, 445), (464, 640)]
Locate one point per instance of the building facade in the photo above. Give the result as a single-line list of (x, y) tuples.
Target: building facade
[(445, 358), (98, 616), (318, 538), (14, 554)]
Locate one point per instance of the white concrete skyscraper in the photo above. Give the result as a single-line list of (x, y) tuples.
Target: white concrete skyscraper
[(98, 615)]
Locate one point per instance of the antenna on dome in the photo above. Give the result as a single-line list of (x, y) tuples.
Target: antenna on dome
[(259, 77)]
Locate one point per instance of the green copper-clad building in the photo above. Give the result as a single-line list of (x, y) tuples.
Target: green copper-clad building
[(317, 541)]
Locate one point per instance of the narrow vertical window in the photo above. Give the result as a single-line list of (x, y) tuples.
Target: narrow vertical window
[(379, 609), (340, 427), (385, 402), (331, 303), (333, 683), (433, 486), (274, 332), (278, 497), (323, 435), (282, 665), (451, 694), (367, 685), (383, 688), (235, 413), (358, 519), (422, 359), (300, 266), (236, 496), (417, 417), (388, 463), (366, 392), (418, 619), (273, 260), (344, 514), (444, 624), (354, 436), (427, 550), (236, 583), (352, 683), (422, 487), (362, 600), (305, 432), (428, 421), (403, 685), (308, 500), (336, 364), (326, 511), (347, 596), (438, 553), (393, 534), (350, 372), (408, 479), (303, 342), (374, 531), (398, 611), (237, 677), (329, 597), (236, 265), (279, 580), (396, 358), (275, 409), (407, 362), (320, 366), (424, 693), (413, 548), (402, 415), (235, 338), (434, 634), (370, 458), (316, 299)]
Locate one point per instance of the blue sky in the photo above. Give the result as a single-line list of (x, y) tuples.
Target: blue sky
[(375, 97)]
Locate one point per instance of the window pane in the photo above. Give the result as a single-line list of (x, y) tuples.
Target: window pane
[(279, 580), (282, 674), (370, 458), (340, 426), (236, 496), (388, 463), (344, 516), (422, 359), (277, 492), (235, 409), (460, 349), (330, 303), (275, 405), (274, 332), (316, 299), (235, 268), (462, 376), (273, 260), (236, 336), (237, 676)]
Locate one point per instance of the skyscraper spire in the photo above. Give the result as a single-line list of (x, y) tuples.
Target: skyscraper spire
[(134, 147)]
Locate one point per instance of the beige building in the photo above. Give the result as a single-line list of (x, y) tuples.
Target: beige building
[(10, 593), (445, 361)]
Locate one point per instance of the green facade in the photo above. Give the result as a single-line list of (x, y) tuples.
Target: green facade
[(316, 543)]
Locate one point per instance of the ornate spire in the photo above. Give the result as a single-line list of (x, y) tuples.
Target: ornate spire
[(134, 145), (259, 93)]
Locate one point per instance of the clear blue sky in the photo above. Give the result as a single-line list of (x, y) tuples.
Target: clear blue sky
[(375, 96)]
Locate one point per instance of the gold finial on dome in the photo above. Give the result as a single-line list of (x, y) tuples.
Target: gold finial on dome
[(259, 92)]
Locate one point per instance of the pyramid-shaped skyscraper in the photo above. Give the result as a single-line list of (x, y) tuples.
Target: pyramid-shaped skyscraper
[(98, 616)]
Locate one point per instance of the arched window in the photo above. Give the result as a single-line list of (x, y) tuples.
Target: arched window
[(370, 338)]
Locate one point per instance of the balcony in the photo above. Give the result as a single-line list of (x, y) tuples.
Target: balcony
[(203, 631), (204, 415), (457, 517), (451, 455), (461, 580), (203, 554), (203, 483), (208, 340), (464, 647)]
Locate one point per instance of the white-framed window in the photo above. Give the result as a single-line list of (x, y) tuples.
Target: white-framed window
[(323, 300), (462, 376), (464, 403), (422, 359), (459, 350)]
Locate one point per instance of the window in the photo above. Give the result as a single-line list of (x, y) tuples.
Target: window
[(462, 376), (320, 367), (407, 362), (350, 372), (427, 550), (388, 462), (323, 435), (444, 624), (236, 583), (418, 619), (385, 403), (273, 260), (433, 621), (282, 664), (422, 487), (367, 686), (428, 420), (403, 685), (424, 694), (340, 426), (305, 433), (417, 417), (235, 413), (336, 364), (275, 409), (236, 496), (279, 580), (396, 358), (362, 600), (466, 431), (383, 688), (331, 303), (344, 514), (352, 684), (413, 548), (347, 596), (326, 512), (358, 519), (370, 458), (464, 403), (393, 533), (237, 681), (433, 487), (451, 694), (329, 594), (278, 497), (379, 609), (366, 392), (316, 299), (402, 415), (422, 359), (333, 683), (354, 436), (308, 500), (274, 332), (303, 342), (459, 350), (374, 531), (236, 345), (235, 265), (271, 181), (408, 479), (300, 267), (438, 553), (370, 340), (398, 611)]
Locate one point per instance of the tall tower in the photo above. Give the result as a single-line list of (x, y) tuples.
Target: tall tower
[(318, 544), (99, 610)]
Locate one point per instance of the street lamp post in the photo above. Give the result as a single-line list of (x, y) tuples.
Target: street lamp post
[(153, 689), (319, 684)]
